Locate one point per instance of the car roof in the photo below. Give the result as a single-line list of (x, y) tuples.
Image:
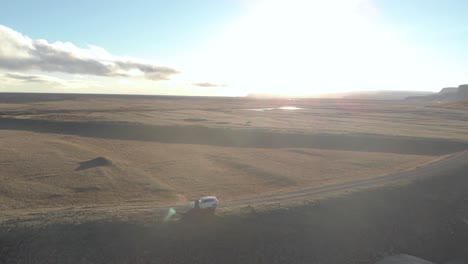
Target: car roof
[(208, 197)]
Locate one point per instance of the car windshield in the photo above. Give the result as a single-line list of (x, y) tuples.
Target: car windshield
[(234, 131)]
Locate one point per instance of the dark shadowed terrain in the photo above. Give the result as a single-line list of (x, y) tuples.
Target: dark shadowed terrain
[(427, 218)]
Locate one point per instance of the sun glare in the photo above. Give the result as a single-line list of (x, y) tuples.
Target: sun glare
[(301, 47)]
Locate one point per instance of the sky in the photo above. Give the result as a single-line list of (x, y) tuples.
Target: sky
[(232, 47)]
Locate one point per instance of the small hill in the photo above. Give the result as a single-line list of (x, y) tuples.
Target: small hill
[(97, 162)]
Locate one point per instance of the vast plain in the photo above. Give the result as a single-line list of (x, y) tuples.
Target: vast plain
[(85, 159)]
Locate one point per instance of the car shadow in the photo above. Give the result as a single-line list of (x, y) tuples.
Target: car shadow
[(195, 215)]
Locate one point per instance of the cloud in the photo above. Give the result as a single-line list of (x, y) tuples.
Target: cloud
[(27, 78), (21, 53), (16, 79), (207, 84), (20, 78)]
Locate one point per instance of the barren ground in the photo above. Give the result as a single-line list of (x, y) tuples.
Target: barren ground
[(170, 150), (461, 105)]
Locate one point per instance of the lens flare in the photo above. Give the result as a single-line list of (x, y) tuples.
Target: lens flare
[(172, 211)]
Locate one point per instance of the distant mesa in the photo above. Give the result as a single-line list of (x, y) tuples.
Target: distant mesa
[(448, 90), (97, 162), (356, 95), (446, 95), (385, 95), (463, 91), (403, 259)]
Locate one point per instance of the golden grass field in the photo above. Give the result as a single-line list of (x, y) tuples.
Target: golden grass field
[(40, 170), (90, 179), (170, 150)]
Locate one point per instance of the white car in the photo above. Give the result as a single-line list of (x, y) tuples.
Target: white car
[(206, 202)]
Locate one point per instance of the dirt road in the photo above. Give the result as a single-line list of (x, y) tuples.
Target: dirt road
[(445, 166)]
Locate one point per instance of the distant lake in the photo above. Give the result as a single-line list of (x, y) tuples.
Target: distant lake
[(275, 108)]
